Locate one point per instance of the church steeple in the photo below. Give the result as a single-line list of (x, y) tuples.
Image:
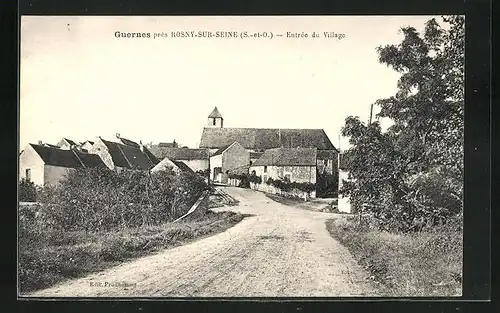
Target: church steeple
[(215, 119)]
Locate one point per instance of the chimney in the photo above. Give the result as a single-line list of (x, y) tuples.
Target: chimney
[(117, 135), (40, 142)]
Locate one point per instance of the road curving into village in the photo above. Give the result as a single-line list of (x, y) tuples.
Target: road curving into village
[(278, 251)]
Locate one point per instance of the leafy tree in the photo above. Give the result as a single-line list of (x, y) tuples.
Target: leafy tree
[(412, 174)]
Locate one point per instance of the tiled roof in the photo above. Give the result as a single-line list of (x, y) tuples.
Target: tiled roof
[(67, 158), (215, 113), (255, 155), (325, 154), (57, 157), (50, 145), (265, 138), (240, 170), (288, 156), (150, 155), (220, 150), (183, 167), (116, 154), (128, 156), (128, 142), (136, 157), (166, 162), (168, 144), (180, 153), (71, 142), (90, 160)]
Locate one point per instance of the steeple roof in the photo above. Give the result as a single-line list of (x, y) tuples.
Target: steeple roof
[(215, 114)]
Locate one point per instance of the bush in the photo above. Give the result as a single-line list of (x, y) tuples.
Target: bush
[(246, 179), (285, 185), (99, 199), (27, 191), (255, 179)]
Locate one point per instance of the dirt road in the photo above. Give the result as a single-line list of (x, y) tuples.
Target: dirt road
[(279, 251)]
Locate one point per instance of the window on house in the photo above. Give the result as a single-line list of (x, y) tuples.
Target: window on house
[(28, 174), (213, 121), (325, 162), (265, 169)]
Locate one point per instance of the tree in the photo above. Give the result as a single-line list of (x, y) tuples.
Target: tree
[(398, 171)]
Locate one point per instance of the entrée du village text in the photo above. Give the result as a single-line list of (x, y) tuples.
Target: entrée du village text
[(228, 34)]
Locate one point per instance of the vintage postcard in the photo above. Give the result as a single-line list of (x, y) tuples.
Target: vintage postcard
[(241, 156)]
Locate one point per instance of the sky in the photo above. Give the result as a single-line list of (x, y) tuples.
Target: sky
[(79, 81)]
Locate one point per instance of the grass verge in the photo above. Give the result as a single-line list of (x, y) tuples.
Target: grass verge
[(415, 265), (66, 255), (310, 205)]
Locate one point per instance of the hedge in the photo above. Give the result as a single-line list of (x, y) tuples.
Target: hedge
[(285, 185), (100, 199)]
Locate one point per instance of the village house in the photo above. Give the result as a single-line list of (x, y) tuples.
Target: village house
[(254, 156), (258, 140), (177, 167), (168, 144), (226, 159), (197, 159), (291, 164), (48, 165), (344, 205), (125, 154)]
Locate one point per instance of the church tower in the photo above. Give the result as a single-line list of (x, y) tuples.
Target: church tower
[(215, 119)]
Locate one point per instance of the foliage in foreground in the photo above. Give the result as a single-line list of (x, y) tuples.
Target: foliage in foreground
[(98, 199), (27, 191), (427, 263), (411, 175), (56, 255)]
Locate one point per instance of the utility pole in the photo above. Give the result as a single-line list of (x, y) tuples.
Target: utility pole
[(371, 113), (338, 156)]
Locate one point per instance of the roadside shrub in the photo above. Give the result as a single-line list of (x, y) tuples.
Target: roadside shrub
[(285, 185), (27, 191), (99, 199), (245, 179), (255, 179)]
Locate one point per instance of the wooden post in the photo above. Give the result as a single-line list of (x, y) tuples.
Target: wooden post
[(371, 113)]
